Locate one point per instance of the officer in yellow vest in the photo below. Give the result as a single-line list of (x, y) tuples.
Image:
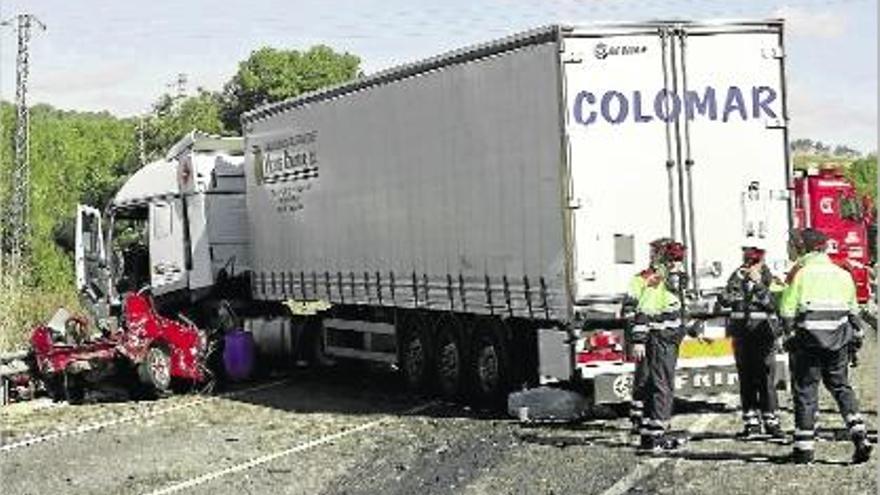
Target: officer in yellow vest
[(820, 316), (657, 333), (630, 304)]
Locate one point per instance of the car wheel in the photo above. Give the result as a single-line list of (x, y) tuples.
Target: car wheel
[(155, 370)]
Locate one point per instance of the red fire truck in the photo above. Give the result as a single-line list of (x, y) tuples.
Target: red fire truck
[(827, 201)]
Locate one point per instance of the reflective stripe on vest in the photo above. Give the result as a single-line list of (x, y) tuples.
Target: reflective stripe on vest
[(758, 315), (823, 324), (660, 325)]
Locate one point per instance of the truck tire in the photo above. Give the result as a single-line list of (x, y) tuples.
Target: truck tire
[(415, 360), (449, 363), (155, 370), (490, 369)]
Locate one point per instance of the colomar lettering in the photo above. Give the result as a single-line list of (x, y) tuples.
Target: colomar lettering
[(733, 103)]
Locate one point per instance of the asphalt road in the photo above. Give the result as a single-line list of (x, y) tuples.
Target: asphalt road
[(355, 431)]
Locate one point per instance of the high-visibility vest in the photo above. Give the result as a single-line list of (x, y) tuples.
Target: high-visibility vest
[(819, 297), (656, 306)]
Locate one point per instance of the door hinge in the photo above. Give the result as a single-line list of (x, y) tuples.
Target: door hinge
[(780, 194), (776, 123), (573, 58)]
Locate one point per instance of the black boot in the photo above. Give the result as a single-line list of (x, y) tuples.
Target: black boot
[(659, 443), (635, 424), (862, 452), (774, 430), (749, 431), (669, 442), (772, 427)]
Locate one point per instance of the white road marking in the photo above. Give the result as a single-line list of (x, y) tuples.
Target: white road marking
[(257, 461), (127, 419), (645, 468)]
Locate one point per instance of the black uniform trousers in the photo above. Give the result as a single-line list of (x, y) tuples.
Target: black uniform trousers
[(639, 388), (754, 350), (661, 357), (809, 365)]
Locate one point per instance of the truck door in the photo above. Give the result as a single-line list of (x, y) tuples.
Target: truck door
[(167, 247), (620, 140), (733, 146), (92, 277)]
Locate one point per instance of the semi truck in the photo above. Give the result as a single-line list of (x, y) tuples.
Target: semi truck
[(827, 201), (473, 219)]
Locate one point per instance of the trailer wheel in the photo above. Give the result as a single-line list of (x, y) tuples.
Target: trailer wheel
[(155, 370), (415, 360), (489, 369), (448, 364)]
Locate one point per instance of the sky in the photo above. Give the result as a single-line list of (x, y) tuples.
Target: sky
[(119, 56)]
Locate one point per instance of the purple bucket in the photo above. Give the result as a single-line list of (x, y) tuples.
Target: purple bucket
[(238, 355)]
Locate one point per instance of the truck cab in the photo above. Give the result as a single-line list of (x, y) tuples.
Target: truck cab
[(177, 227), (826, 200)]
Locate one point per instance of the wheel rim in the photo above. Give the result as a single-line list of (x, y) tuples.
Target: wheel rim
[(415, 361), (449, 366), (487, 368), (159, 368)]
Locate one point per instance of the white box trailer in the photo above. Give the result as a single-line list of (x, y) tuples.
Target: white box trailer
[(475, 218), (519, 182)]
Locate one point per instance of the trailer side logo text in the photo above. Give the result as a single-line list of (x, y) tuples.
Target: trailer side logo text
[(602, 50), (290, 165), (616, 107)]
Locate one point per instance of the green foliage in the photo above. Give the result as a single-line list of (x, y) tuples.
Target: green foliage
[(74, 157), (271, 75), (863, 173), (23, 306), (173, 117)]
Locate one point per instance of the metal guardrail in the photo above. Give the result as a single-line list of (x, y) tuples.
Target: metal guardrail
[(5, 357), (11, 364)]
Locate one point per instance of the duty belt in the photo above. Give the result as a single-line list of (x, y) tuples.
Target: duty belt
[(662, 317)]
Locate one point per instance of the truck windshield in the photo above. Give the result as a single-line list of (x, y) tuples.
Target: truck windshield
[(850, 208), (130, 249)]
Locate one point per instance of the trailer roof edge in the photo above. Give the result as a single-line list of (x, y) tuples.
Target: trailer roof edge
[(544, 34), (540, 35)]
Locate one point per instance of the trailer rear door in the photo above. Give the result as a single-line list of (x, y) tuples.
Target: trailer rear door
[(733, 137), (676, 130), (619, 150)]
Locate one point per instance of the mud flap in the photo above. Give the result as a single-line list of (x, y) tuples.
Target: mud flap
[(547, 404), (555, 359)]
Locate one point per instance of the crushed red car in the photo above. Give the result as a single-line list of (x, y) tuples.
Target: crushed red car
[(146, 354)]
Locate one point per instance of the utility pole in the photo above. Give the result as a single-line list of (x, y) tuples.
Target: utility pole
[(18, 219)]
